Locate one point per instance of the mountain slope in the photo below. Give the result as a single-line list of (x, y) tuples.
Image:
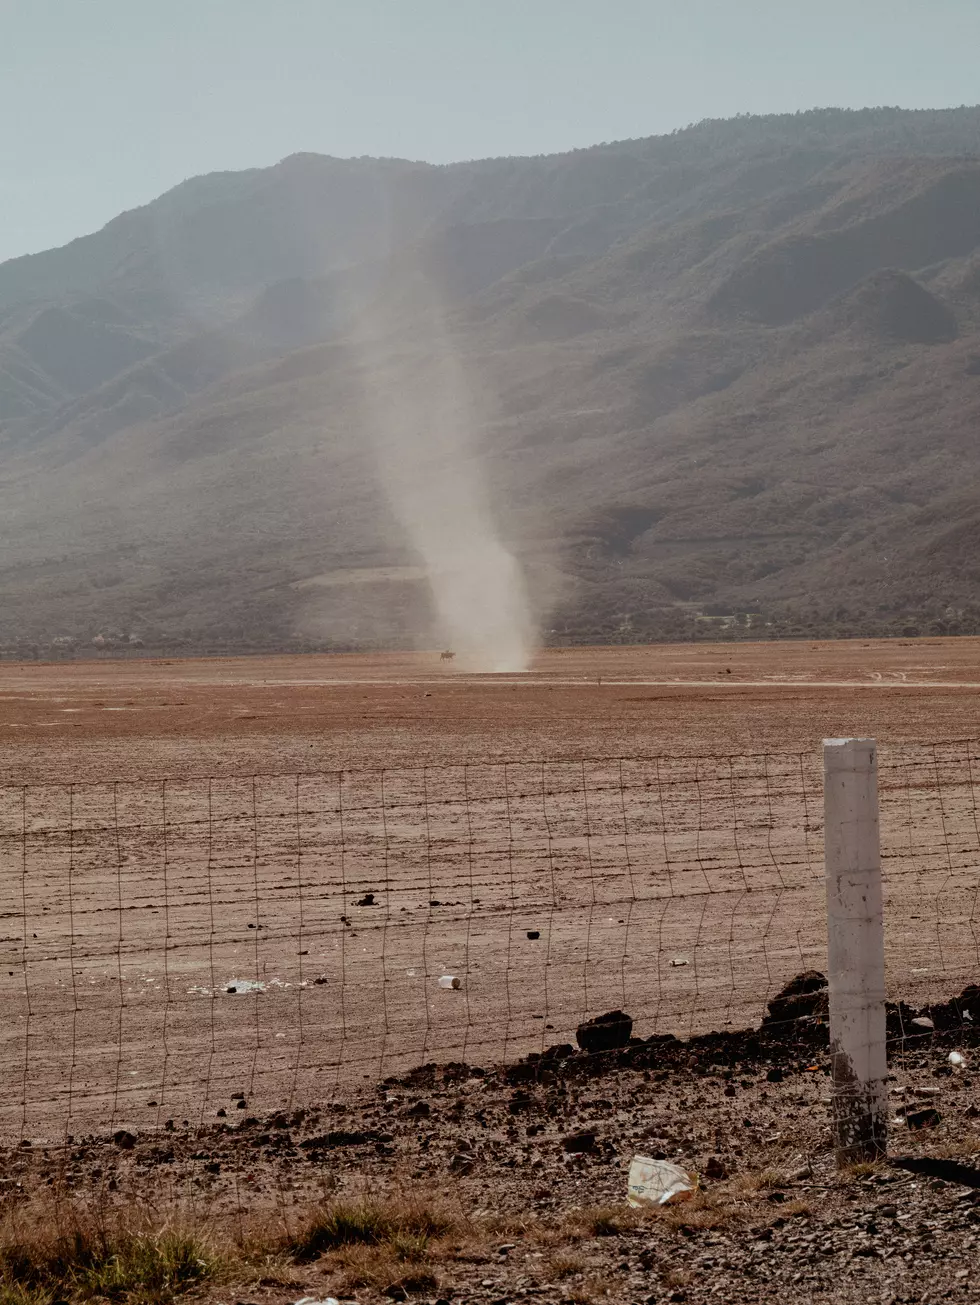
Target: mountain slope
[(733, 368)]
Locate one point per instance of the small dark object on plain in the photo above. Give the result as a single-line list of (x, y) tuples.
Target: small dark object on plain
[(125, 1141), (715, 1169), (231, 988), (242, 1105), (318, 983), (251, 926), (928, 1118), (775, 1075), (367, 900), (222, 1112), (533, 934), (605, 1032), (576, 1143), (804, 997)]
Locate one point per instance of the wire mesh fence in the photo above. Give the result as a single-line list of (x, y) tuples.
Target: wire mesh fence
[(165, 945), (930, 832)]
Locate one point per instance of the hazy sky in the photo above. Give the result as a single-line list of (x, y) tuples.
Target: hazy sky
[(104, 104)]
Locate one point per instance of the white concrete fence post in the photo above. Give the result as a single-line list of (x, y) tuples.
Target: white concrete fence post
[(855, 950)]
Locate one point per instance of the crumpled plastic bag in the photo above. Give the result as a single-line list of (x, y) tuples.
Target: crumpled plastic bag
[(658, 1182)]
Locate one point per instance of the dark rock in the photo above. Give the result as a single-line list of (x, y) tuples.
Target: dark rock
[(928, 1118), (125, 1141), (804, 997), (577, 1143), (715, 1169), (411, 1285), (533, 934), (418, 1110), (560, 1051), (775, 1075), (606, 1032), (367, 900)]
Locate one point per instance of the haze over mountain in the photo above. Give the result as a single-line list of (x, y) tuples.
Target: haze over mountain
[(736, 368)]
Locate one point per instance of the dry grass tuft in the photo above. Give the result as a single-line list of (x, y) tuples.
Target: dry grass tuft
[(400, 1226), (863, 1169), (677, 1278), (601, 1221), (381, 1244), (564, 1264), (593, 1291), (60, 1251)]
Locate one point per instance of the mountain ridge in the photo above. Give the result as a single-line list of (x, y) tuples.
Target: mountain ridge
[(771, 325)]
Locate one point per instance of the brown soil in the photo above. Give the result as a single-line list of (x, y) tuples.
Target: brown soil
[(280, 929), (114, 720), (534, 1168)]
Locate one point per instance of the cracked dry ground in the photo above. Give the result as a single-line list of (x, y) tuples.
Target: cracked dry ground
[(532, 1163)]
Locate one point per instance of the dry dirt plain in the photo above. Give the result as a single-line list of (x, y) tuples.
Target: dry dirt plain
[(249, 874), (111, 719)]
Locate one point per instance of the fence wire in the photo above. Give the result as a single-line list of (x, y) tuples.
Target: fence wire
[(167, 945), (930, 843)]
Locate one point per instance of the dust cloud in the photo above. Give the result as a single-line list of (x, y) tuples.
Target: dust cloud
[(423, 415)]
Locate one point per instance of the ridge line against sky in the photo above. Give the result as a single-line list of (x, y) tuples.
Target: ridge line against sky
[(106, 105)]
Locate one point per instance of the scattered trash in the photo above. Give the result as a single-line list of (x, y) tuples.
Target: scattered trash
[(450, 981), (956, 1060), (244, 985), (658, 1182), (923, 1022), (605, 1032), (967, 1015), (316, 1300), (679, 960), (928, 1118)]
